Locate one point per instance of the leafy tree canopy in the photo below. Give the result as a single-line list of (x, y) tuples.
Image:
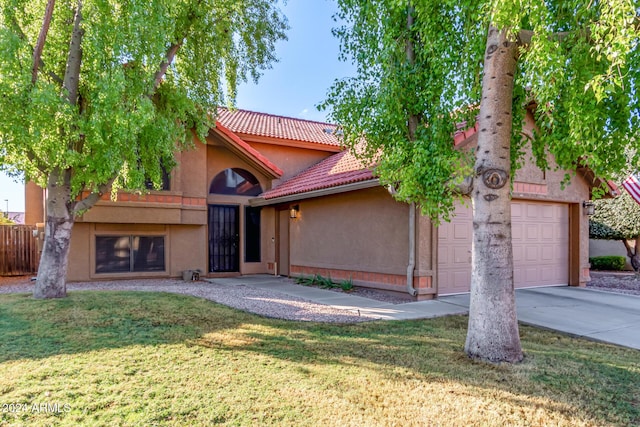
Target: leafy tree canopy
[(578, 61), (148, 71), (615, 219)]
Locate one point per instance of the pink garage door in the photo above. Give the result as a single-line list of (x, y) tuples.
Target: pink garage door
[(540, 247)]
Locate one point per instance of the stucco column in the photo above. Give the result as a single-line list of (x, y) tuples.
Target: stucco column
[(33, 204)]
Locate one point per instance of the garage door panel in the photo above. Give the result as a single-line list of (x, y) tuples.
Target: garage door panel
[(532, 254), (540, 247), (461, 255), (548, 255), (548, 231), (517, 254)]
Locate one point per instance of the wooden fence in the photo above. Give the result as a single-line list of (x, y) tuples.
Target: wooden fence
[(19, 253)]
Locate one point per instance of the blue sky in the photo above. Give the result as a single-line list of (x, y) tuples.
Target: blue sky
[(292, 87)]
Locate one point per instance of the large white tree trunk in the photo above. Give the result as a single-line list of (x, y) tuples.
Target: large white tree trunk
[(52, 273), (493, 326)]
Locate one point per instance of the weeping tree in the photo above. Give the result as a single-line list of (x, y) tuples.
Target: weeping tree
[(426, 67), (97, 95), (618, 219)]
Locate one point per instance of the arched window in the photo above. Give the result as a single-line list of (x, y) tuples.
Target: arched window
[(235, 182)]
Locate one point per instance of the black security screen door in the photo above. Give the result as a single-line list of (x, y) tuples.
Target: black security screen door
[(224, 241)]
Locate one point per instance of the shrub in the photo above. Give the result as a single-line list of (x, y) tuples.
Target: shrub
[(611, 262), (324, 282)]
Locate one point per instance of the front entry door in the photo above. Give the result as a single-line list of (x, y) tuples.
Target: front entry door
[(224, 238)]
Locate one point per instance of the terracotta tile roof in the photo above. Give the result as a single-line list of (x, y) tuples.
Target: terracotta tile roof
[(340, 169), (268, 125)]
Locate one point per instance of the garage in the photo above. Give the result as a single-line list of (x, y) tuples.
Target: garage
[(540, 232)]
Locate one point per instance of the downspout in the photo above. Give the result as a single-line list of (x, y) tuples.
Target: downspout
[(412, 250)]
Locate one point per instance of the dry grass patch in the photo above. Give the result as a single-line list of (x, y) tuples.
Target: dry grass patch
[(126, 358)]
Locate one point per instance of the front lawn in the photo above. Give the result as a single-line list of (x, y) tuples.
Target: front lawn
[(127, 358)]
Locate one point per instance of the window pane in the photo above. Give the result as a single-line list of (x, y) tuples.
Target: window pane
[(148, 253), (235, 182), (252, 234), (113, 254)]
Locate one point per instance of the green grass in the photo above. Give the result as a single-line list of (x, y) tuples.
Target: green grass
[(126, 358)]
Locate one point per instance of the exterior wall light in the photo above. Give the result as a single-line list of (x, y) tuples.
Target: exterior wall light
[(293, 212), (589, 208)]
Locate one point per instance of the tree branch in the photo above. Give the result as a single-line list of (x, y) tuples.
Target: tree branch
[(72, 73), (169, 57), (525, 36), (17, 30), (93, 198), (172, 51), (42, 37), (33, 158), (411, 59)]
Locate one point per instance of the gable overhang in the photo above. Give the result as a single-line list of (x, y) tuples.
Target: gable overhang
[(242, 149), (594, 181), (290, 143), (344, 188)]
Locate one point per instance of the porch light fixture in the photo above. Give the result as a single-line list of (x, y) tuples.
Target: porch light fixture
[(589, 208), (293, 212)]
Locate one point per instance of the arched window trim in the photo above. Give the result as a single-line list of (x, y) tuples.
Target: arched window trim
[(235, 182)]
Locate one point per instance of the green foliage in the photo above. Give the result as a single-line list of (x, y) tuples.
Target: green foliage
[(579, 62), (346, 285), (324, 282), (4, 220), (128, 118), (615, 219), (610, 262)]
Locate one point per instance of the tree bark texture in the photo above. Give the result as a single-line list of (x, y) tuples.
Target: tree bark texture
[(52, 273), (42, 37), (74, 59), (633, 254), (493, 334)]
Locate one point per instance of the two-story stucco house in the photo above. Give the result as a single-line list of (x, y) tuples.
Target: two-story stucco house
[(278, 195)]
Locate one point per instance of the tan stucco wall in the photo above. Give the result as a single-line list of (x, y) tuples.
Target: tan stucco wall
[(362, 230), (33, 204), (191, 172), (290, 159), (79, 268)]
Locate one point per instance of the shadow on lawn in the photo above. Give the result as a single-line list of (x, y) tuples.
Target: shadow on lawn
[(568, 371), (87, 321), (558, 368)]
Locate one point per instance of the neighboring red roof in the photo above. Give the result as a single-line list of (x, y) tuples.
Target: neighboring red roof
[(340, 169), (249, 150), (463, 134), (268, 125)]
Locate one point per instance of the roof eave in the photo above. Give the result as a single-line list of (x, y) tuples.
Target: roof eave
[(353, 186), (319, 146)]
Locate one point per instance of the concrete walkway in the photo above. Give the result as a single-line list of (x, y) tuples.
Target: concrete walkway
[(601, 316)]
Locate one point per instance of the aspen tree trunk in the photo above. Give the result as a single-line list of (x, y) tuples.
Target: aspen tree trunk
[(52, 273), (633, 253), (493, 334)]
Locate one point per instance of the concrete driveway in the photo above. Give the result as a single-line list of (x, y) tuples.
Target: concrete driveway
[(601, 316)]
